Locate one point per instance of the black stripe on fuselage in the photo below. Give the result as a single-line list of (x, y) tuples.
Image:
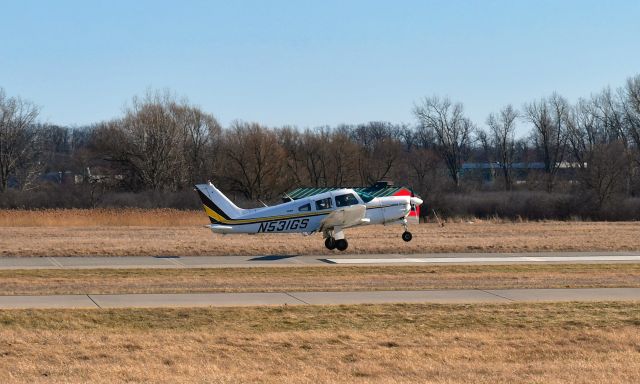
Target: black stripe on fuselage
[(212, 206), (257, 220)]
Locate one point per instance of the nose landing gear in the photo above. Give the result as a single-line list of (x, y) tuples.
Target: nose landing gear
[(406, 235)]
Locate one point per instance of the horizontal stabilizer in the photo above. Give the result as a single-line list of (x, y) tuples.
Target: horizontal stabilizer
[(220, 228)]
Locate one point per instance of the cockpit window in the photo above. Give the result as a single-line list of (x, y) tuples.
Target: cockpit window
[(365, 196), (346, 200), (323, 204), (304, 208)]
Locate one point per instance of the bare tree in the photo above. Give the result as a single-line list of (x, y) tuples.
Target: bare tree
[(200, 133), (314, 148), (597, 149), (631, 107), (379, 150), (424, 167), (320, 157), (548, 117), (604, 175), (154, 142), (18, 140), (254, 161), (342, 152), (608, 108), (164, 143), (483, 138), (452, 130), (584, 130), (502, 127), (289, 139), (383, 158), (408, 136)]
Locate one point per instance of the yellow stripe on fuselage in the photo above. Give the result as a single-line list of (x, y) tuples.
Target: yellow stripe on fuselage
[(214, 215)]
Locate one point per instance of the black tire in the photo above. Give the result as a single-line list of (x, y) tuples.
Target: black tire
[(330, 243), (406, 236), (341, 244)]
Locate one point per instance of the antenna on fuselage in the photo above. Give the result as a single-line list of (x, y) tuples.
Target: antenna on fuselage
[(287, 196), (262, 202)]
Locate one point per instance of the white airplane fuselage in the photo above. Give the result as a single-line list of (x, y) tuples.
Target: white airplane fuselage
[(329, 212), (306, 214)]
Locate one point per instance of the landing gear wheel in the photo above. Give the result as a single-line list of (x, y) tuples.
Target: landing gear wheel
[(406, 236), (330, 243), (341, 244)]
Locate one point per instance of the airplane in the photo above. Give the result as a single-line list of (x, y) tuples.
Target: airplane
[(329, 213)]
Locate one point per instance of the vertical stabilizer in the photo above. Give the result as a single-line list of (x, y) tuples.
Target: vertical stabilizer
[(219, 208)]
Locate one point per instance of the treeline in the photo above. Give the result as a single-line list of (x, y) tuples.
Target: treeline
[(576, 160)]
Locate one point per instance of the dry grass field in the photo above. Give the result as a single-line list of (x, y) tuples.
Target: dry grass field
[(336, 278), (101, 218), (534, 343), (172, 232)]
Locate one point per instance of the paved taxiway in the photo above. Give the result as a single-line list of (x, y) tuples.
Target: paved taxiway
[(318, 298), (333, 259)]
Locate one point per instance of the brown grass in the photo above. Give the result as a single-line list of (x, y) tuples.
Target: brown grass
[(101, 218), (173, 232), (538, 343), (111, 240), (336, 278)]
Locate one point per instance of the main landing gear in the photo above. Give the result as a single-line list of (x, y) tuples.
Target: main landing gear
[(335, 240), (331, 243)]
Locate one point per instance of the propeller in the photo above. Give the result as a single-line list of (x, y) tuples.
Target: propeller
[(416, 201)]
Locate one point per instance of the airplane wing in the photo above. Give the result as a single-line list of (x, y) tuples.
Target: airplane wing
[(345, 217)]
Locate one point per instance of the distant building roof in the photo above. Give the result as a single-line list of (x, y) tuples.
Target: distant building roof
[(532, 165), (379, 189)]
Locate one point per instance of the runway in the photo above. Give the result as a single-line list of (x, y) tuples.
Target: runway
[(315, 298), (472, 296), (79, 262)]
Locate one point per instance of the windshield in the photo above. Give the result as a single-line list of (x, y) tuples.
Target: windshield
[(365, 196)]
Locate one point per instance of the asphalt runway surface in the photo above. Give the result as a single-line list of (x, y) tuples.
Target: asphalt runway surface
[(318, 260), (468, 296)]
